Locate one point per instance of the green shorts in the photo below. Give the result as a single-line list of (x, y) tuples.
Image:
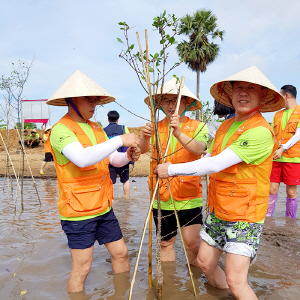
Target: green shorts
[(240, 238)]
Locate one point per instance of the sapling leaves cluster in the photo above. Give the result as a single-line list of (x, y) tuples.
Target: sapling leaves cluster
[(167, 27)]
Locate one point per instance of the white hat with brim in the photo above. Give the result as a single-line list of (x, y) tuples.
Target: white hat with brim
[(222, 90), (79, 85), (48, 128), (170, 91)]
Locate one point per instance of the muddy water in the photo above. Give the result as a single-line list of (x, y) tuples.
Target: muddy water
[(35, 260)]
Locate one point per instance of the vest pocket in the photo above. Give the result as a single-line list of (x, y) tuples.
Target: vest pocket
[(291, 128), (89, 168), (87, 197), (164, 193), (233, 202), (189, 186)]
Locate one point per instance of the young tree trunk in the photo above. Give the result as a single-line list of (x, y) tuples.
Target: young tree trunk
[(158, 257), (198, 94)]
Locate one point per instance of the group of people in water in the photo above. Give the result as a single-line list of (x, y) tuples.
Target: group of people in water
[(239, 161)]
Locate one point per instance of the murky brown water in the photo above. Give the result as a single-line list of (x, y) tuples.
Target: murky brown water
[(34, 256)]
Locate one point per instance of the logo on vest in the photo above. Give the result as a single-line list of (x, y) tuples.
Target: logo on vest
[(244, 143), (188, 127)]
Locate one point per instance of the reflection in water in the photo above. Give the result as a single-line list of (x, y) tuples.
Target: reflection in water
[(35, 256)]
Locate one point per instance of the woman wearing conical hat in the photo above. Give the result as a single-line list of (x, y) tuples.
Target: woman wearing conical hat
[(240, 162), (188, 143), (82, 152)]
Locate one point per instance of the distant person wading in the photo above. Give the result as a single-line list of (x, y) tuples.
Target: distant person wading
[(113, 130)]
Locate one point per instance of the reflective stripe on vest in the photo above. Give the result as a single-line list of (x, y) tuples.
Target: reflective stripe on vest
[(240, 192), (283, 135), (83, 191), (183, 187)]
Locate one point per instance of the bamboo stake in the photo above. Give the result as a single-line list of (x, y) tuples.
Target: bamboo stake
[(155, 190), (13, 170), (157, 182), (206, 176), (151, 180), (181, 236), (104, 118), (24, 152)]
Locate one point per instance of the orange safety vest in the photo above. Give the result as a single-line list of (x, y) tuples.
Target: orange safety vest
[(83, 191), (183, 187), (240, 192), (283, 135), (47, 145)]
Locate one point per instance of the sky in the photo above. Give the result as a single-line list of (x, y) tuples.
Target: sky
[(63, 36)]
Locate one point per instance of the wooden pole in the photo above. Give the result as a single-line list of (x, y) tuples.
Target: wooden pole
[(154, 192), (206, 176), (24, 153), (104, 118), (151, 179)]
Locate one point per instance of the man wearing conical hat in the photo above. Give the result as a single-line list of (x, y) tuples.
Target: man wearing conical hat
[(82, 152), (286, 164), (188, 143), (240, 162)]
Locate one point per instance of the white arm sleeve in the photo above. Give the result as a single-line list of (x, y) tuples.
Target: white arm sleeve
[(118, 159), (84, 157), (206, 165), (293, 140)]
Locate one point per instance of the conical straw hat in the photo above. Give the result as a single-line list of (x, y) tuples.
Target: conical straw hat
[(222, 90), (79, 85), (170, 91)]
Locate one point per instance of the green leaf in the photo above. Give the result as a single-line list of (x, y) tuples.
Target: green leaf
[(121, 23), (119, 40), (150, 69), (131, 47), (172, 40), (177, 79)]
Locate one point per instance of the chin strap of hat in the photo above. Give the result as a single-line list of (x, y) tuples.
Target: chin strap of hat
[(257, 108), (69, 101), (275, 100), (192, 104)]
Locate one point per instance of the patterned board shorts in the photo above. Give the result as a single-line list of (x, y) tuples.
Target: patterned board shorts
[(240, 238)]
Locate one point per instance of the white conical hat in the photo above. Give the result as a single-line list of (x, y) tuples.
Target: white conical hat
[(79, 85), (170, 91), (222, 90)]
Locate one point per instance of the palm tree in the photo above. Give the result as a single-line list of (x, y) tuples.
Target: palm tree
[(198, 52)]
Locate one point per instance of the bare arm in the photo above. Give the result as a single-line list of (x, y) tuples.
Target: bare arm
[(145, 139), (190, 144)]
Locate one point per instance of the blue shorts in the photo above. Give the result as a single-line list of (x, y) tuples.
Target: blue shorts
[(83, 234), (123, 173)]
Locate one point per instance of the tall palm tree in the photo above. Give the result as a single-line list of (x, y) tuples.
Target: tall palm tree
[(198, 52)]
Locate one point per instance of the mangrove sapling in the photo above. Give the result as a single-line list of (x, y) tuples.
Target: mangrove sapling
[(156, 64)]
